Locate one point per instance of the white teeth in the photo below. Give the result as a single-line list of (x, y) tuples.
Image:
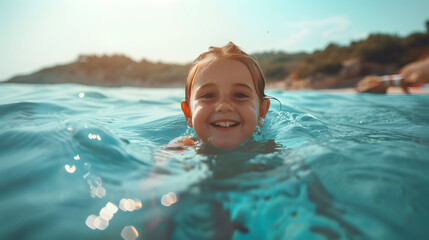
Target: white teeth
[(225, 124)]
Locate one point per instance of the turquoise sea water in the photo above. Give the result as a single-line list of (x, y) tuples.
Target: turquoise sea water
[(80, 162)]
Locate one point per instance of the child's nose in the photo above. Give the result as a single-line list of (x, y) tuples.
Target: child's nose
[(224, 106)]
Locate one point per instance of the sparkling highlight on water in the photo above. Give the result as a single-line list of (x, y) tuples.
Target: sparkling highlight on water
[(130, 204), (129, 233), (94, 136), (112, 207), (101, 222), (95, 188), (169, 199), (90, 221), (69, 169)]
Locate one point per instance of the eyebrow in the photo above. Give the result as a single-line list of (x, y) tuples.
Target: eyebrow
[(201, 88), (235, 84), (206, 85), (243, 85)]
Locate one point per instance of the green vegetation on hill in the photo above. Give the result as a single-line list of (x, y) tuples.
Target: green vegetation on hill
[(377, 48), (278, 65)]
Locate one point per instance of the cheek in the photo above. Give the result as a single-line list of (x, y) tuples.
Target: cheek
[(251, 115), (252, 109), (200, 117), (199, 113)]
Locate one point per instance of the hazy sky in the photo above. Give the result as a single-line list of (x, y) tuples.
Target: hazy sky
[(36, 34)]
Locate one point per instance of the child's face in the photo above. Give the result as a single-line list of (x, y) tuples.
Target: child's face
[(224, 106)]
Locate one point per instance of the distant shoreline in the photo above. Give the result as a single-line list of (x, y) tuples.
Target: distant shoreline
[(390, 90), (336, 68)]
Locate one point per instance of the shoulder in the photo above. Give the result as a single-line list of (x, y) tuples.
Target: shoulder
[(180, 142), (185, 141)]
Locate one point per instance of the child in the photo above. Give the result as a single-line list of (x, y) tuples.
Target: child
[(224, 97)]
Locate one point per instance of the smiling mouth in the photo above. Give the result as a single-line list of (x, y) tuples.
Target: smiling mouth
[(225, 124)]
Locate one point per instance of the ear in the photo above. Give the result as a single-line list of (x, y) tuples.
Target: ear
[(187, 112), (263, 108)]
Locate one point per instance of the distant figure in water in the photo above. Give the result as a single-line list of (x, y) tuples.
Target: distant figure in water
[(414, 74), (224, 98)]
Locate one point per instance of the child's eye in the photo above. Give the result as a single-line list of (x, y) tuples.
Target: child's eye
[(241, 95), (207, 95)]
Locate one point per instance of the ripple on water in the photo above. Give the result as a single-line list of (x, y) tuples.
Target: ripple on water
[(25, 110), (92, 94), (106, 152)]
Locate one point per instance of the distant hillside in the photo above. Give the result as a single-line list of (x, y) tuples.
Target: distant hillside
[(342, 66), (278, 65), (334, 67), (111, 71)]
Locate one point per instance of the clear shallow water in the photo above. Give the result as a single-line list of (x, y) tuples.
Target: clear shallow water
[(350, 166)]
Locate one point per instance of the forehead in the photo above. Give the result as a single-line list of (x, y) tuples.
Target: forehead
[(224, 72)]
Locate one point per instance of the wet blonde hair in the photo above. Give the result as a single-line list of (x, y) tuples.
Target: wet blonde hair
[(229, 51)]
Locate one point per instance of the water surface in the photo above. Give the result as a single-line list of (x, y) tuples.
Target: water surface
[(89, 163)]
